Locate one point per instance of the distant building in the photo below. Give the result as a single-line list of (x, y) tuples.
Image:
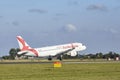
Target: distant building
[(117, 58)]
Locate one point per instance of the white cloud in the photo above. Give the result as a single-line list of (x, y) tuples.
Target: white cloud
[(1, 16), (15, 23), (70, 28), (73, 2), (41, 11), (97, 7), (114, 31)]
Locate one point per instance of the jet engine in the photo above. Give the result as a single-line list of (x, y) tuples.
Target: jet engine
[(73, 53)]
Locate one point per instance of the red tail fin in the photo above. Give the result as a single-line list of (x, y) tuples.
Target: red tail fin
[(22, 44)]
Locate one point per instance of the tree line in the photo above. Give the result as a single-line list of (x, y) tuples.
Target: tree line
[(12, 54), (100, 55)]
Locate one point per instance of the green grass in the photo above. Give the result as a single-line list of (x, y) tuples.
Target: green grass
[(93, 71)]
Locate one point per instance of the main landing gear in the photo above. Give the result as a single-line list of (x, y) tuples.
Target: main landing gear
[(59, 57), (50, 58)]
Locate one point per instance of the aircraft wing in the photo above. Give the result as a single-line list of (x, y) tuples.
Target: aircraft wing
[(64, 52)]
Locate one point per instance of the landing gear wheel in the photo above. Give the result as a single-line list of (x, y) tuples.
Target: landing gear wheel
[(60, 58), (49, 58)]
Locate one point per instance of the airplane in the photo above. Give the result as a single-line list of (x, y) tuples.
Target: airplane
[(50, 51)]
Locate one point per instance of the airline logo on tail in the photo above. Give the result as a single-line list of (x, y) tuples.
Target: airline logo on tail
[(24, 46)]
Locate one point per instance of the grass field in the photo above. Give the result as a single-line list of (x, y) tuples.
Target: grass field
[(82, 71)]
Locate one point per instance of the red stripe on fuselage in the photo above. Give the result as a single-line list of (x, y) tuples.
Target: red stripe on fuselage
[(70, 46), (34, 51)]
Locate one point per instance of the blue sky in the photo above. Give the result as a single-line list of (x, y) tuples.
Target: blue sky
[(96, 23)]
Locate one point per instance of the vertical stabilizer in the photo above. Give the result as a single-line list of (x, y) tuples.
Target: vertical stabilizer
[(22, 44)]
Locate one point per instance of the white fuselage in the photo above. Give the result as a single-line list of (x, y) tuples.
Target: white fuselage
[(54, 50)]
